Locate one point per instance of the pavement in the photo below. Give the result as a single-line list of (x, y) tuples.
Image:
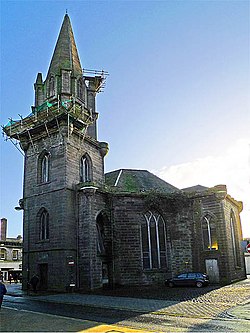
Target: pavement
[(228, 302)]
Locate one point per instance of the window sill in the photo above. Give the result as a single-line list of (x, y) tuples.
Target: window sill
[(45, 183), (155, 270), (43, 241), (212, 250)]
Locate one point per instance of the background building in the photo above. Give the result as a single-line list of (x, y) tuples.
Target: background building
[(10, 254), (246, 249), (83, 228)]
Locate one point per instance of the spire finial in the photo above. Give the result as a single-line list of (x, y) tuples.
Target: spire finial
[(66, 11)]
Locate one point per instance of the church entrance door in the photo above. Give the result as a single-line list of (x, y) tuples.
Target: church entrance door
[(43, 270), (212, 270)]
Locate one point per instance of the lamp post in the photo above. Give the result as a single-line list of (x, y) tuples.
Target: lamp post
[(19, 208)]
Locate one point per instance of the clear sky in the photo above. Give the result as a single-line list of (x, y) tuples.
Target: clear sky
[(176, 101)]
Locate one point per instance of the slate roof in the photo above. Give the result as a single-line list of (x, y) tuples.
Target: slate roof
[(137, 181), (65, 55), (196, 188)]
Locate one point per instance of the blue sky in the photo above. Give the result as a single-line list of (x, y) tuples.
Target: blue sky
[(176, 101)]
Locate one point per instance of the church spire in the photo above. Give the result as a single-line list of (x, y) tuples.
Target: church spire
[(65, 56)]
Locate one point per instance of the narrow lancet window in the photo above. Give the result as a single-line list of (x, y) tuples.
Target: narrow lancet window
[(85, 169), (51, 86), (209, 233), (45, 169), (234, 239), (80, 89), (44, 225)]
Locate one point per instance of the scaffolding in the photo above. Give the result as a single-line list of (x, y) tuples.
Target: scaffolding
[(48, 113), (51, 112), (99, 78)]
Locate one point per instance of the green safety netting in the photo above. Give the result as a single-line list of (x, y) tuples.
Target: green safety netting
[(11, 122), (65, 103), (42, 107)]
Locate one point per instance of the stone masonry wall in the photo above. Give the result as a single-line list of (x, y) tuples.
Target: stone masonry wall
[(76, 148), (59, 197), (236, 271), (128, 216), (220, 209), (91, 203)]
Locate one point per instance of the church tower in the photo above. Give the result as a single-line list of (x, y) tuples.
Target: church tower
[(62, 155)]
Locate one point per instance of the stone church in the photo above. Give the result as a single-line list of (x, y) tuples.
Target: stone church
[(86, 229)]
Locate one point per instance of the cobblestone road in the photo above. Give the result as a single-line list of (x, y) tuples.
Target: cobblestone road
[(214, 303), (162, 309), (208, 302)]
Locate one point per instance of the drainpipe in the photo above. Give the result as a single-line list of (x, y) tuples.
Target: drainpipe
[(112, 240), (77, 239)]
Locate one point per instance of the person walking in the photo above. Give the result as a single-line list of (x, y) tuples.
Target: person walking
[(3, 291), (34, 282)]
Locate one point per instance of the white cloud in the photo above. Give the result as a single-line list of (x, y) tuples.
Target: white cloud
[(230, 168)]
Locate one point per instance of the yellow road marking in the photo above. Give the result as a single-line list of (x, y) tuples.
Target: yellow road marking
[(113, 329)]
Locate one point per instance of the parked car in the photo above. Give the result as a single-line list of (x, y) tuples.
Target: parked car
[(188, 279)]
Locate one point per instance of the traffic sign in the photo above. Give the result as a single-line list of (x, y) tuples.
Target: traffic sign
[(248, 248)]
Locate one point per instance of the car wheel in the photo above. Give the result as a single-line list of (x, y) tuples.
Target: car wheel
[(199, 284), (171, 285)]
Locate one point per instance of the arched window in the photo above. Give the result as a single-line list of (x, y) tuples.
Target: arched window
[(80, 89), (209, 233), (51, 86), (234, 239), (44, 225), (100, 234), (85, 169), (45, 168), (153, 241)]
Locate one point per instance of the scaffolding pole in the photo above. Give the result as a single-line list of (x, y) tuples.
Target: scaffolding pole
[(31, 141)]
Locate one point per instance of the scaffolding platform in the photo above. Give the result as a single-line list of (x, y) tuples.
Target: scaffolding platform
[(50, 113)]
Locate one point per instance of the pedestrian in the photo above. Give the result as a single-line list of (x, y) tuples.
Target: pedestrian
[(34, 282), (3, 291), (10, 278), (15, 278)]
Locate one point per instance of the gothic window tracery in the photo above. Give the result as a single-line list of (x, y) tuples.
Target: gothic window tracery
[(153, 241)]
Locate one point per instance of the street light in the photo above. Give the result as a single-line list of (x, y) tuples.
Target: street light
[(21, 205)]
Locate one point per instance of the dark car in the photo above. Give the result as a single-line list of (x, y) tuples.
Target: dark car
[(188, 279)]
